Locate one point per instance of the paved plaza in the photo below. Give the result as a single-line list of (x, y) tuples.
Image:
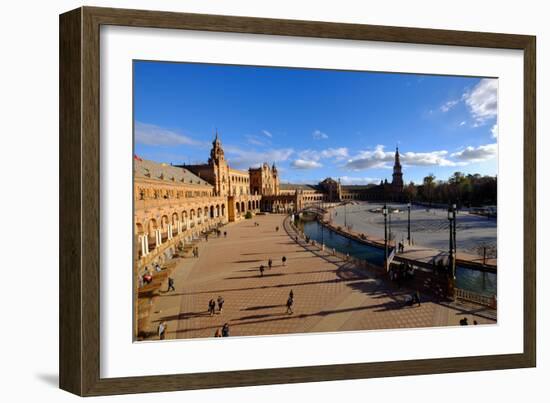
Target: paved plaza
[(329, 295), (429, 227)]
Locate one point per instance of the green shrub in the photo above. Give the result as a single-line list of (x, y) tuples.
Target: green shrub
[(248, 215)]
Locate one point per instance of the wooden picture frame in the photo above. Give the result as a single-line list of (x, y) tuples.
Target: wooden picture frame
[(80, 198)]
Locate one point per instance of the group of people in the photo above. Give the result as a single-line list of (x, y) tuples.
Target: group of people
[(270, 265), (195, 251), (402, 273), (464, 321), (212, 305), (147, 276), (219, 232), (223, 331)]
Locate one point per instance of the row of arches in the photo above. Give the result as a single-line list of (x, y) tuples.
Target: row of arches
[(242, 207), (188, 218)]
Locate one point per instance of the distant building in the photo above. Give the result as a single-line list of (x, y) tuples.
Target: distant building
[(264, 180), (386, 191), (330, 190), (173, 204)]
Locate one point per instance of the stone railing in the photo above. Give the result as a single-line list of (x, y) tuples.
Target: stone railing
[(479, 299)]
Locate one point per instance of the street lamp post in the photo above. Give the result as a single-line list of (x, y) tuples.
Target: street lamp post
[(454, 237), (389, 224), (409, 223), (451, 215), (385, 213)]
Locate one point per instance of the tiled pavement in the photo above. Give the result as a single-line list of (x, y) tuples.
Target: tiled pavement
[(329, 295)]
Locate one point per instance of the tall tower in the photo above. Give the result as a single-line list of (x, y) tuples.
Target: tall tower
[(219, 167), (216, 154), (397, 182), (276, 183)]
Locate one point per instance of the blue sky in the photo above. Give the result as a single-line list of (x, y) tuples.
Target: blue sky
[(316, 123)]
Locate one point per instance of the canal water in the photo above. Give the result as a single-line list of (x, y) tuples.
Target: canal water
[(468, 279)]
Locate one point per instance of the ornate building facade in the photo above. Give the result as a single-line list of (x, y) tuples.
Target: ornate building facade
[(264, 180), (174, 204)]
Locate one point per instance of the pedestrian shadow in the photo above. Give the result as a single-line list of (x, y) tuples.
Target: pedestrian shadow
[(267, 318), (265, 275), (480, 311), (182, 316), (262, 316), (247, 270), (264, 287), (248, 261), (259, 307)]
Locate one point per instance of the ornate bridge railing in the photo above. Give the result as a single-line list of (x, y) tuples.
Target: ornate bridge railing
[(480, 299)]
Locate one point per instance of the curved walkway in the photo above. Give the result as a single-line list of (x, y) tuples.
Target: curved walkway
[(329, 295)]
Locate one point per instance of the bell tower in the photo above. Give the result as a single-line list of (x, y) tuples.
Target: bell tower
[(219, 166), (397, 181), (216, 154)]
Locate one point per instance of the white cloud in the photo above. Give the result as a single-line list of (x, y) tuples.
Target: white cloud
[(337, 153), (254, 140), (353, 180), (153, 135), (266, 133), (482, 100), (437, 158), (447, 106), (305, 164), (462, 123), (378, 158), (319, 135), (476, 154), (316, 155), (494, 131), (244, 159)]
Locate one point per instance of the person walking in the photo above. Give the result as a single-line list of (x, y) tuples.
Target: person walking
[(162, 330), (270, 263), (212, 307), (225, 330), (218, 332), (289, 304), (225, 234), (416, 298), (220, 303), (261, 270), (171, 285), (283, 259), (277, 229)]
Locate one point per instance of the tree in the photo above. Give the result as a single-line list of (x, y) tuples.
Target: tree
[(411, 191), (428, 184)]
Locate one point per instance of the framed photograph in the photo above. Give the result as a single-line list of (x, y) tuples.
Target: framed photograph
[(250, 201)]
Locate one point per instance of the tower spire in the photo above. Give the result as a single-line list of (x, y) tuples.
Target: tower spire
[(397, 173), (397, 162)]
